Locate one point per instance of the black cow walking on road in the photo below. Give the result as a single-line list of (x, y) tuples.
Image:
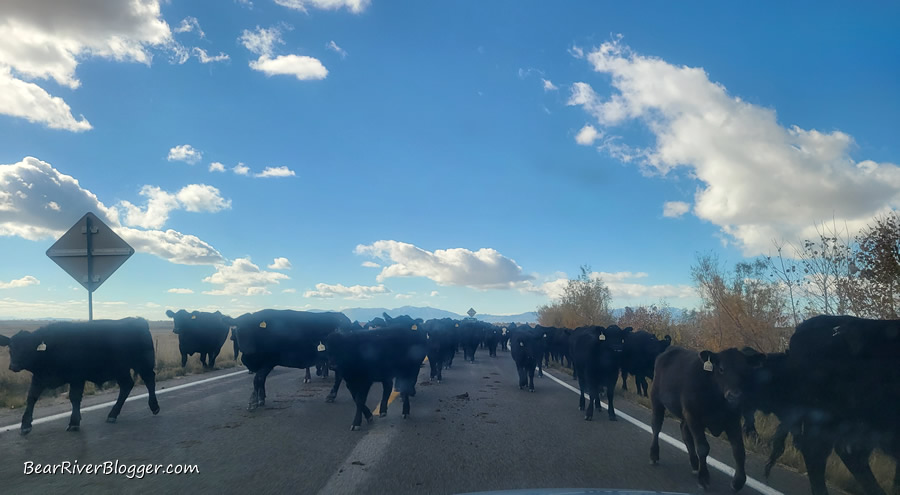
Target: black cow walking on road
[(202, 333)]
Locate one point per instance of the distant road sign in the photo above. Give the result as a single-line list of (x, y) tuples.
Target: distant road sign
[(471, 313), (90, 252)]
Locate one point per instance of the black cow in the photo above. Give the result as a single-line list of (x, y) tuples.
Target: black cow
[(439, 335), (395, 353), (77, 352), (560, 345), (471, 333), (202, 333), (639, 357), (838, 385), (491, 339), (704, 391), (271, 338), (526, 349), (549, 333), (504, 336), (597, 354)]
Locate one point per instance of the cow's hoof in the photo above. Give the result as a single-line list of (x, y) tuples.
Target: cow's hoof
[(531, 390), (382, 415), (252, 406), (521, 387), (587, 418), (613, 418), (154, 410), (329, 398), (306, 380), (370, 420), (73, 428), (406, 416), (737, 484), (25, 430), (654, 462), (354, 428), (111, 419), (694, 471)]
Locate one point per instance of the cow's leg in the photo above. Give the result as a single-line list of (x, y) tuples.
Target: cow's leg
[(203, 360), (857, 462), (736, 438), (625, 380), (610, 393), (778, 441), (212, 359), (440, 366), (702, 446), (125, 385), (815, 452), (357, 416), (592, 398), (76, 392), (360, 397), (659, 414), (691, 448), (34, 392), (531, 379), (540, 369), (405, 398), (258, 398), (523, 380), (308, 377), (385, 397), (581, 390), (149, 377), (334, 389), (641, 384), (432, 364), (183, 359), (749, 427)]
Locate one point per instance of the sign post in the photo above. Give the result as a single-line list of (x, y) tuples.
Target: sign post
[(90, 252)]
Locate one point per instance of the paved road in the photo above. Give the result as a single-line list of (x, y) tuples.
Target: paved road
[(476, 431)]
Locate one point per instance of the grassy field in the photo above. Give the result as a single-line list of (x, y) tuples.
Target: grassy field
[(836, 473), (14, 386)]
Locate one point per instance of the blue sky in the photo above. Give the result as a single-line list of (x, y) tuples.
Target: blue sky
[(476, 152)]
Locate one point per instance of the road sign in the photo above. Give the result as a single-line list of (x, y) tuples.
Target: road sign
[(90, 252), (471, 313)]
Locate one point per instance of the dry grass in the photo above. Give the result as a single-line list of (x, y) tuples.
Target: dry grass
[(766, 424), (14, 386)]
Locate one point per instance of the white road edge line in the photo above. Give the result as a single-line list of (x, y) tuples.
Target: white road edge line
[(47, 419), (711, 461)]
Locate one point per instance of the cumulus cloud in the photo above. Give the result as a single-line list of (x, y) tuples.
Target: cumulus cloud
[(675, 209), (404, 296), (26, 187), (280, 264), (22, 282), (276, 172), (289, 291), (548, 85), (184, 153), (206, 58), (242, 278), (482, 269), (40, 39), (216, 167), (189, 24), (355, 6), (262, 42), (370, 264), (758, 180), (193, 198), (326, 291), (587, 135), (331, 45), (623, 287), (180, 291), (241, 169), (435, 293)]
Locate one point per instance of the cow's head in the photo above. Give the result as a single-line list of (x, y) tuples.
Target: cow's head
[(613, 337), (732, 370), (182, 319), (25, 350)]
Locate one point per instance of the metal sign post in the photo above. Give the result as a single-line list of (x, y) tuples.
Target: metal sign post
[(90, 252)]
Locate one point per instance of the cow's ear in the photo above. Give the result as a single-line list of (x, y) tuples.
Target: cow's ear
[(170, 314), (709, 359), (4, 341)]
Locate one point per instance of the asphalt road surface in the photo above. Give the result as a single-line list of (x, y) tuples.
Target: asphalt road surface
[(476, 431)]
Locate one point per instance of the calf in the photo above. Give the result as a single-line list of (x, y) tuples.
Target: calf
[(639, 357), (199, 332), (362, 358), (704, 391), (526, 350), (77, 352), (504, 336), (597, 355)]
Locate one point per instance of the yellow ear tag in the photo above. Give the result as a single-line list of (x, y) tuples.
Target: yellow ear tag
[(193, 317), (707, 366), (457, 325), (602, 337), (42, 347), (415, 327), (321, 347), (262, 325)]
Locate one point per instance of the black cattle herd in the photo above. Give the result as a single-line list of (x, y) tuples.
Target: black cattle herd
[(836, 387)]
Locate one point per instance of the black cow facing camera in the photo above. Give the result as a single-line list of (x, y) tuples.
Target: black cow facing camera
[(77, 352), (202, 333)]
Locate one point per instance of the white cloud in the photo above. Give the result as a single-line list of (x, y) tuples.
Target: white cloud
[(331, 45), (189, 24), (435, 293), (205, 58), (576, 51), (289, 291), (262, 41), (47, 40), (22, 282), (482, 269), (180, 291), (300, 66), (674, 209), (193, 198), (759, 181), (184, 153), (276, 172), (280, 264), (587, 135), (370, 264), (216, 167), (241, 169), (548, 85), (404, 296), (242, 278), (53, 205), (326, 291), (622, 287), (26, 186), (30, 102), (355, 6)]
